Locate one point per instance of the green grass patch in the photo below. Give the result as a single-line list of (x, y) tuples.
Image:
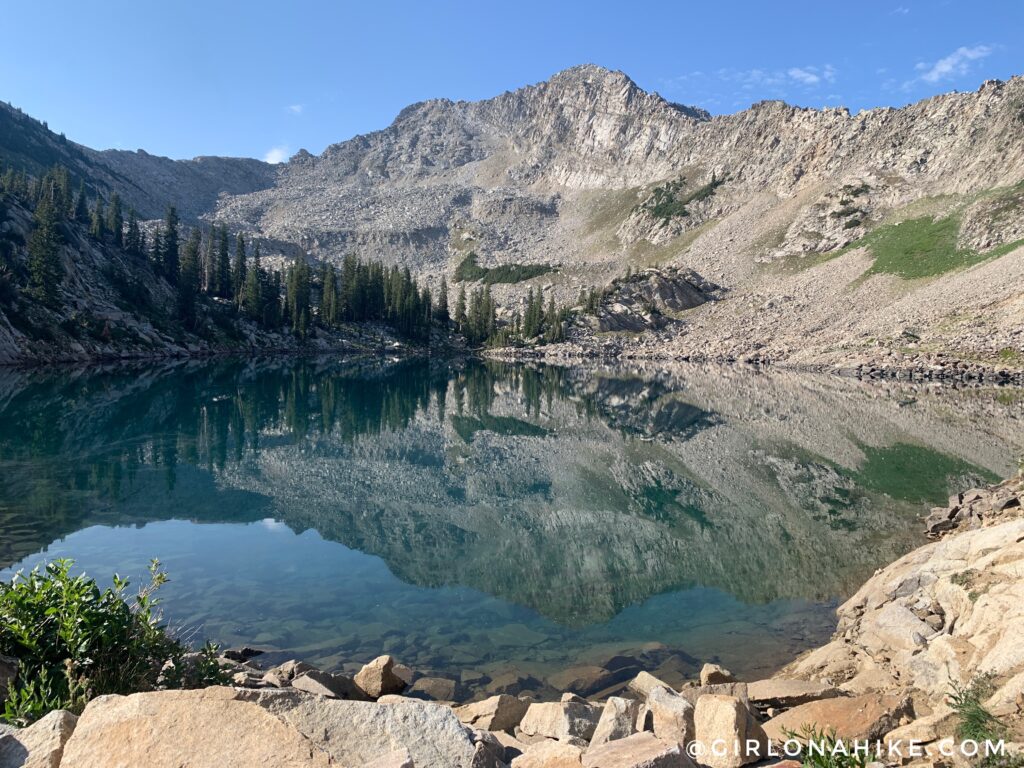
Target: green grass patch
[(470, 271), (921, 247)]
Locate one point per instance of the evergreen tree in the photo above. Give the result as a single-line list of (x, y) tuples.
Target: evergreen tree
[(329, 297), (238, 270), (98, 223), (115, 219), (223, 264), (44, 266), (188, 279), (441, 310), (297, 298), (133, 237), (252, 291), (81, 214), (169, 251), (460, 310)]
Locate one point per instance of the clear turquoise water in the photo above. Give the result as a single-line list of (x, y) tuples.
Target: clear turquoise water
[(488, 519)]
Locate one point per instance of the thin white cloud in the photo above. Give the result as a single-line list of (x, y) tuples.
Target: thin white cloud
[(956, 64), (900, 10), (276, 154), (805, 76), (296, 109)]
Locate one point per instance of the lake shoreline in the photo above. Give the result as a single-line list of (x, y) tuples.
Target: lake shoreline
[(951, 371), (876, 680)]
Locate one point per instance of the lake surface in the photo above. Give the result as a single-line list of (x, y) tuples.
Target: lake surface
[(490, 520)]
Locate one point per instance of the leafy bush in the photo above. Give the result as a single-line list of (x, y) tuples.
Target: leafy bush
[(469, 271), (75, 641)]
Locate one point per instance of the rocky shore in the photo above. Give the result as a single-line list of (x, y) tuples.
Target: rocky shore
[(945, 616), (888, 367)]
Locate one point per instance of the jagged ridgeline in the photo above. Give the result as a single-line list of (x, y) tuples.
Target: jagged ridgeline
[(565, 186)]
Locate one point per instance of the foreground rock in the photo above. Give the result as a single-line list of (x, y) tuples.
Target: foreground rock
[(642, 750), (561, 720), (783, 693), (41, 745), (870, 716), (618, 720), (171, 729), (945, 613), (725, 720), (378, 678), (272, 728), (498, 713)]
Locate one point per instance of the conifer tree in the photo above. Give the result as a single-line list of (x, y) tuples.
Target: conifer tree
[(223, 264), (188, 279), (329, 297), (460, 310), (115, 219), (44, 266), (133, 237), (98, 222), (169, 251), (441, 310), (252, 291), (238, 270), (81, 214)]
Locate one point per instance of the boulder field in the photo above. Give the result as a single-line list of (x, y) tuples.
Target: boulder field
[(948, 614)]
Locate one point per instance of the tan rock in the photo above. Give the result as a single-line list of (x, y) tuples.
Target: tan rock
[(41, 745), (498, 713), (727, 733), (291, 669), (378, 678), (324, 684), (549, 754), (642, 684), (511, 746), (783, 693), (641, 750), (618, 720), (397, 759), (713, 674), (170, 729), (693, 692), (671, 716), (356, 732), (561, 720), (869, 716)]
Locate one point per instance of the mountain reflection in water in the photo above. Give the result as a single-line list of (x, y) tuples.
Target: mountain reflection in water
[(490, 517)]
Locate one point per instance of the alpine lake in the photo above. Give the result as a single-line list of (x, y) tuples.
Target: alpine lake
[(486, 521)]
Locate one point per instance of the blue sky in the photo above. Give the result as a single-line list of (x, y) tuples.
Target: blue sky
[(264, 79)]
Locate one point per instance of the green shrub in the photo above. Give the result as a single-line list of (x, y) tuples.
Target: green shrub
[(469, 271), (75, 641), (974, 722)]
